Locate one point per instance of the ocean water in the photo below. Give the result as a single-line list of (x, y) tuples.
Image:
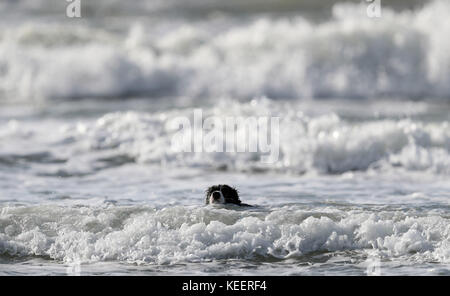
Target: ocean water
[(90, 183)]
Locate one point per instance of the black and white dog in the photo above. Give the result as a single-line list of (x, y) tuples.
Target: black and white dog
[(223, 194)]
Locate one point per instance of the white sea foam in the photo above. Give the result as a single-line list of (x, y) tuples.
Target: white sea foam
[(142, 234), (323, 143), (350, 55)]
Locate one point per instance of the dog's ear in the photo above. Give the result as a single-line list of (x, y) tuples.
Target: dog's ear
[(231, 194), (207, 193)]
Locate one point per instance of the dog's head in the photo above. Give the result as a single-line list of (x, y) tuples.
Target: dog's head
[(221, 194)]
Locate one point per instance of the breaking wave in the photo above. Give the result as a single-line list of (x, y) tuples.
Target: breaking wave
[(141, 234), (403, 54), (306, 143)]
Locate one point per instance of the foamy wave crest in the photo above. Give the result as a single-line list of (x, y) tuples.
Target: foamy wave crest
[(306, 143), (350, 55), (175, 234), (323, 143)]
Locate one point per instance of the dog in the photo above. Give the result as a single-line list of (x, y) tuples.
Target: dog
[(223, 194)]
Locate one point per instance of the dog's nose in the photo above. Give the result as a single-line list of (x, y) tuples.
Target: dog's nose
[(216, 195)]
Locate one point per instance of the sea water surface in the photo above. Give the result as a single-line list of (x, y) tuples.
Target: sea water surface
[(89, 183)]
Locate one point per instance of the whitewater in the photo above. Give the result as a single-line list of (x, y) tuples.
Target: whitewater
[(90, 184)]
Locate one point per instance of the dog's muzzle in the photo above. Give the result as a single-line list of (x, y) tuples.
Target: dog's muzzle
[(217, 197)]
